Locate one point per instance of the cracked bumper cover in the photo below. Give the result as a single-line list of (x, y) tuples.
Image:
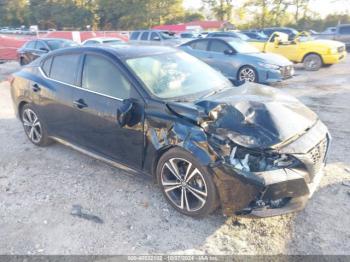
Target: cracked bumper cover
[(238, 191)]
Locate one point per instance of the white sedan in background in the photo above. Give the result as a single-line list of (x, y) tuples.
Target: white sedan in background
[(110, 41)]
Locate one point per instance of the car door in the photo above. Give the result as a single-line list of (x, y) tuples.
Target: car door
[(103, 93), (223, 62), (56, 90)]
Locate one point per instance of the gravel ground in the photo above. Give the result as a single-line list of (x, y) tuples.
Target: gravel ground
[(57, 201)]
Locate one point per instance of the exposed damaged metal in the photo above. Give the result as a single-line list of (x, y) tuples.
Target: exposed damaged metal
[(265, 148)]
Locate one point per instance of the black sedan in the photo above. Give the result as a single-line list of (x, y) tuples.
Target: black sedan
[(159, 111), (38, 47)]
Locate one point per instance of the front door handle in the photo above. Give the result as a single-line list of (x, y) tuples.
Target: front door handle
[(80, 104), (36, 87)]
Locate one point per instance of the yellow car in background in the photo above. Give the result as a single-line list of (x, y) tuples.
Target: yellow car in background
[(304, 49)]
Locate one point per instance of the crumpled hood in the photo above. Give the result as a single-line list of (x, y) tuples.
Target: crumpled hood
[(271, 58), (252, 115)]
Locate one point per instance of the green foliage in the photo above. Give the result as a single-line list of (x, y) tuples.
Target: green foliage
[(103, 14), (222, 9), (137, 14), (13, 13)]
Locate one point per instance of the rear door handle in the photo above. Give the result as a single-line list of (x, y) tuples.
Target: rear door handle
[(80, 104), (36, 87)]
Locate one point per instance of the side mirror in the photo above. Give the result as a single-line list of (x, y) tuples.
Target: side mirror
[(124, 112), (229, 52), (44, 49), (276, 41), (156, 38)]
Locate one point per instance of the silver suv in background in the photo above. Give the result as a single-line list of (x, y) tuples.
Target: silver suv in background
[(155, 37), (341, 33)]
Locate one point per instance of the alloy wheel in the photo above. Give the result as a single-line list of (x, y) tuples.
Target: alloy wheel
[(32, 125), (247, 74), (184, 185), (312, 62)]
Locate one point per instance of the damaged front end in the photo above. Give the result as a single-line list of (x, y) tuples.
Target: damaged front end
[(271, 148), (272, 182)]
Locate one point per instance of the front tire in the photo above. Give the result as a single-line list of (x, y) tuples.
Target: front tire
[(312, 62), (186, 185), (34, 127), (247, 73)]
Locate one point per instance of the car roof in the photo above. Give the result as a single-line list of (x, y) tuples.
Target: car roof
[(103, 38), (226, 39), (45, 39), (122, 52), (151, 30)]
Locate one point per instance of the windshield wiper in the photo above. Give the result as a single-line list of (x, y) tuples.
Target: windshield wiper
[(214, 92)]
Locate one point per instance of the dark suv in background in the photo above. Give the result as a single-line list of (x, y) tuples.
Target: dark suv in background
[(155, 37), (36, 48)]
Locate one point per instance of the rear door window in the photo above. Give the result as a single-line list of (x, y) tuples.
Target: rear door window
[(64, 68), (134, 35), (200, 45), (144, 36)]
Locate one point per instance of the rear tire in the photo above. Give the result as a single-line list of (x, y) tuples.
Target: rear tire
[(186, 184), (34, 127), (312, 62)]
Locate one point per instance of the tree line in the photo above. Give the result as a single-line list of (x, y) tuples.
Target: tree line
[(137, 14)]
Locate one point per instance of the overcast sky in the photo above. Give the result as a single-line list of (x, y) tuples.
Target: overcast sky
[(324, 7)]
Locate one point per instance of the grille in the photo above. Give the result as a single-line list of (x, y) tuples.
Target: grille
[(286, 71), (341, 49)]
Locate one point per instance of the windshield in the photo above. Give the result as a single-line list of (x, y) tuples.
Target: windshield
[(243, 47), (56, 44), (242, 36), (294, 32), (176, 74)]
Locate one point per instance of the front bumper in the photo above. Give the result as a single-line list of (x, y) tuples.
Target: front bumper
[(257, 193), (334, 59), (268, 76), (279, 191)]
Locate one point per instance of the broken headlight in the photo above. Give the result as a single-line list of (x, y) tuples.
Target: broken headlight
[(252, 161)]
